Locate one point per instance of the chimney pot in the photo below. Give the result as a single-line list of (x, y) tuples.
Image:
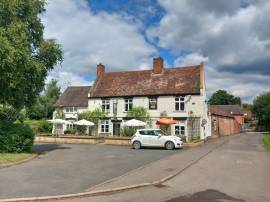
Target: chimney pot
[(158, 65), (100, 69)]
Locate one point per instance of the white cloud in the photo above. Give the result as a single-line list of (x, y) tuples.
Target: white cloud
[(88, 39), (66, 79), (232, 35), (190, 59)]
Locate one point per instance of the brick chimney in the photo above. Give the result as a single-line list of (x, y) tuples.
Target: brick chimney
[(100, 69), (157, 65)]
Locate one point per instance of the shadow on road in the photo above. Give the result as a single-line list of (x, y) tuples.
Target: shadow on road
[(209, 195), (44, 148)]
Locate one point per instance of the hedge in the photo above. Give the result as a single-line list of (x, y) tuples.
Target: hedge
[(40, 126), (70, 131), (15, 137)]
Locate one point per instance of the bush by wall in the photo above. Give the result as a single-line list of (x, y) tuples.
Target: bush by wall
[(70, 131), (15, 137), (40, 126), (127, 131)]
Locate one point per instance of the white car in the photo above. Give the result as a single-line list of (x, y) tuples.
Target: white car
[(155, 138)]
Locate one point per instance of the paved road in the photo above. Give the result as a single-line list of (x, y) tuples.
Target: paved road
[(237, 171), (66, 168)]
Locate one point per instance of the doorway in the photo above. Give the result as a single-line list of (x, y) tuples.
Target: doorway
[(116, 129)]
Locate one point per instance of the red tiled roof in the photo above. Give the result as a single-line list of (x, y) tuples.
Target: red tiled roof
[(226, 110), (74, 96), (180, 80), (217, 110)]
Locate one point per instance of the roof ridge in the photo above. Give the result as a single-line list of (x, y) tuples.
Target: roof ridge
[(146, 70), (77, 86)]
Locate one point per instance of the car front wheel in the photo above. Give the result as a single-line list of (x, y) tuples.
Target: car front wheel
[(169, 145), (136, 145)]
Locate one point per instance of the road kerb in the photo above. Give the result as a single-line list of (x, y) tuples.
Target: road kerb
[(34, 156)]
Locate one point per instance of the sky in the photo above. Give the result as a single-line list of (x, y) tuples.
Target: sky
[(231, 37)]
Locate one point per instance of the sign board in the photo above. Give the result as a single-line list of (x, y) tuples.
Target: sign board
[(204, 121)]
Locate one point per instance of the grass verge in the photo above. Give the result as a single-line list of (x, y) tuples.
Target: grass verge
[(266, 141), (6, 158)]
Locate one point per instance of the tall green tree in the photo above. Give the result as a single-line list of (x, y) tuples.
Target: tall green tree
[(261, 110), (25, 56), (139, 113), (222, 97), (43, 106), (93, 116)]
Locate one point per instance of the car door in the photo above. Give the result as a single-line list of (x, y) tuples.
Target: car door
[(158, 139), (145, 138)]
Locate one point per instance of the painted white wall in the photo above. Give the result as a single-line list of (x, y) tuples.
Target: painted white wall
[(195, 103), (70, 115), (165, 103)]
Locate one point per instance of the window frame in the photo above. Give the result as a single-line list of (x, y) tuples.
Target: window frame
[(156, 103), (128, 104), (71, 109), (105, 105), (104, 126), (180, 130), (179, 102)]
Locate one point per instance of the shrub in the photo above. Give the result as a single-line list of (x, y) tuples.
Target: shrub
[(127, 131), (94, 116), (15, 137), (40, 126), (140, 113), (8, 114), (266, 141), (70, 131), (44, 126)]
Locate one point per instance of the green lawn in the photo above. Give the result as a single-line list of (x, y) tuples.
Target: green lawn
[(266, 141), (6, 158)]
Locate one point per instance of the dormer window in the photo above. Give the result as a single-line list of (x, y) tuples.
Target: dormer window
[(71, 109), (179, 103)]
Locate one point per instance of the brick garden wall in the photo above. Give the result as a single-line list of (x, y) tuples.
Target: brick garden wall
[(222, 126)]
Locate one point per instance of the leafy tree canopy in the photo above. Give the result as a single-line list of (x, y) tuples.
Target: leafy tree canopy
[(247, 107), (222, 97), (261, 109), (43, 106), (93, 116), (139, 113), (25, 56)]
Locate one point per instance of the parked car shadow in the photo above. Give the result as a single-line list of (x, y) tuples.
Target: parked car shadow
[(160, 148), (44, 148)]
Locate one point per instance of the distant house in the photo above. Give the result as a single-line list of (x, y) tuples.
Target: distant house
[(73, 101), (226, 119), (178, 91)]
